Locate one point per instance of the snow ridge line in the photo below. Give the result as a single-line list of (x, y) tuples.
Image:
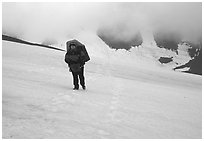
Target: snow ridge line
[(12, 39)]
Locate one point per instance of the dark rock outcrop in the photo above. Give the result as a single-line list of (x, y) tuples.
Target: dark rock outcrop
[(168, 41), (194, 65), (165, 60), (114, 42)]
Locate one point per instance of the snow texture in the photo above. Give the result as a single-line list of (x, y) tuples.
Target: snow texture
[(129, 95)]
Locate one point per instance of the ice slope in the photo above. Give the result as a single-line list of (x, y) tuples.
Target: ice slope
[(122, 100)]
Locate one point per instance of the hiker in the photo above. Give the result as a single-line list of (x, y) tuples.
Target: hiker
[(76, 58)]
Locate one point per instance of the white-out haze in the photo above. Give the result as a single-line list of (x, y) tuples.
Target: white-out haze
[(45, 21)]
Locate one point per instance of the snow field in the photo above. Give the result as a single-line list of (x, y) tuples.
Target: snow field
[(121, 101)]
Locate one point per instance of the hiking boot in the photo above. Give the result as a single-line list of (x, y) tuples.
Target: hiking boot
[(75, 88), (84, 87)]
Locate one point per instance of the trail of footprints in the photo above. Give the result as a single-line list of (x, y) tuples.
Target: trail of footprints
[(116, 88)]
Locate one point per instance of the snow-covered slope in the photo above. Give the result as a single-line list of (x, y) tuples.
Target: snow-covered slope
[(127, 96), (144, 56)]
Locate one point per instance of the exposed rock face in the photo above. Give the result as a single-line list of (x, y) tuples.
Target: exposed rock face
[(165, 60), (167, 40), (115, 42)]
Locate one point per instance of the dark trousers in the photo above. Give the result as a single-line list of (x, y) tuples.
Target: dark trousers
[(79, 75)]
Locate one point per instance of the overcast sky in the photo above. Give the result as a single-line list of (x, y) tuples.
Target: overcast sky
[(38, 21)]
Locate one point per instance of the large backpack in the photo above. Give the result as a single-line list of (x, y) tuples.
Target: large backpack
[(84, 54), (80, 47), (66, 58)]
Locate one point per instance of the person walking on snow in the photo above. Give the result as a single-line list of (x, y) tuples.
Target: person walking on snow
[(75, 58)]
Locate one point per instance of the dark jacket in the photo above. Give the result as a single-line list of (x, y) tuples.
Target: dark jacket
[(74, 56)]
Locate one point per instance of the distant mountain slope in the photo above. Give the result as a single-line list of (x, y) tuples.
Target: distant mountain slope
[(170, 58)]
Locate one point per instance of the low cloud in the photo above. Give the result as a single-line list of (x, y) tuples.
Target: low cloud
[(46, 21)]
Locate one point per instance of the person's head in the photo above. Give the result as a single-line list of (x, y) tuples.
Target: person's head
[(72, 46)]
